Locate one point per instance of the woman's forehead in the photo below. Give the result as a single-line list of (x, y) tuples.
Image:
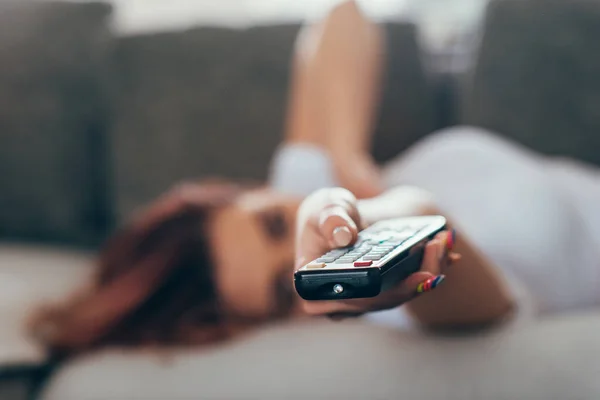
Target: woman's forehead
[(261, 198)]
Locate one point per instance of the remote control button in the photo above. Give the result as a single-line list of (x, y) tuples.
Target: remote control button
[(374, 257), (386, 248), (344, 260), (326, 259), (316, 265), (337, 253), (366, 263), (396, 243), (337, 289), (402, 235), (379, 252)]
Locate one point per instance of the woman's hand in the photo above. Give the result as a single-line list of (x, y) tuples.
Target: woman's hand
[(330, 218)]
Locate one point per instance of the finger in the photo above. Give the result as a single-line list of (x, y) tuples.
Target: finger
[(337, 227), (454, 258), (415, 285), (386, 300), (430, 284), (448, 241), (433, 256)]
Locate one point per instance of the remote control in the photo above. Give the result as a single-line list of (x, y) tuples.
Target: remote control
[(384, 254)]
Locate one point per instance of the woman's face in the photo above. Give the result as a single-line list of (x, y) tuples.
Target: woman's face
[(253, 254)]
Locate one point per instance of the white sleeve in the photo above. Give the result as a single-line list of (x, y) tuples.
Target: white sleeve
[(300, 169)]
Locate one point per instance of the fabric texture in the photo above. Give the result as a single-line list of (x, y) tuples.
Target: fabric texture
[(550, 360), (32, 276), (207, 102), (536, 77), (53, 115), (211, 102), (300, 169), (517, 208)]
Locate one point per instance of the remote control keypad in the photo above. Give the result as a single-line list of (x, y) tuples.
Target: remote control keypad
[(372, 245)]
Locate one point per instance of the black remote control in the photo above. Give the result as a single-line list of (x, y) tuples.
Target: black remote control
[(385, 253)]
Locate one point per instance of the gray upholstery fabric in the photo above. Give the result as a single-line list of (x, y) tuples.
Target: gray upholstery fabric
[(52, 119), (547, 360), (537, 79), (201, 103), (211, 102), (407, 105), (14, 388)]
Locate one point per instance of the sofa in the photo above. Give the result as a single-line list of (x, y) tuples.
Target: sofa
[(94, 124)]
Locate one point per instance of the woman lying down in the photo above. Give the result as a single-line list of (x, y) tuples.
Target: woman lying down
[(209, 261)]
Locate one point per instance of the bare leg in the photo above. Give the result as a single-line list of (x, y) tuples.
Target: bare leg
[(335, 91)]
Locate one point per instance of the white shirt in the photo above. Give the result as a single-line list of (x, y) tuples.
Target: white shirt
[(537, 219)]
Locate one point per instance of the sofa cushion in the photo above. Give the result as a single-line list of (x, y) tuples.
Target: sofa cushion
[(29, 277), (536, 79), (52, 119), (552, 359)]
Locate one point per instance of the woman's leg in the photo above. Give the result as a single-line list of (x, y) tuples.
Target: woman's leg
[(334, 93)]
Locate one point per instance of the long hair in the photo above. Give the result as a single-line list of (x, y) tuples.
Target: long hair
[(153, 283)]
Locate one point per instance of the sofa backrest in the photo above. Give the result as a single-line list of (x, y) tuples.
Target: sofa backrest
[(53, 112), (537, 76), (207, 102), (93, 126), (211, 102)]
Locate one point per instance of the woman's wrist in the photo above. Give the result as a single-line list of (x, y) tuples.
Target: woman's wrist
[(403, 201)]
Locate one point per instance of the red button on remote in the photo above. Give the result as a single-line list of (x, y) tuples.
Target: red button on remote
[(363, 263)]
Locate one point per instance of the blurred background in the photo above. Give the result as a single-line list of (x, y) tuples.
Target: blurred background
[(439, 20), (104, 105)]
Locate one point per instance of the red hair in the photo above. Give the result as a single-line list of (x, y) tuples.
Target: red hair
[(153, 282)]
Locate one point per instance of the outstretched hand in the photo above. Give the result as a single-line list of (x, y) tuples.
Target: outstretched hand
[(329, 219)]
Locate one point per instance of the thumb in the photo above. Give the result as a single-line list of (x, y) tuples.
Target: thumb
[(337, 226)]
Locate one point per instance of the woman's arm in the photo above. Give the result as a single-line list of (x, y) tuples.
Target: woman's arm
[(334, 93), (473, 294)]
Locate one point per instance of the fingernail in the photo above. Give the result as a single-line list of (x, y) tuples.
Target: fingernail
[(451, 239), (430, 284), (342, 236), (454, 257)]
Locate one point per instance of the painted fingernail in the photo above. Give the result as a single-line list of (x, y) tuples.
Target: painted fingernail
[(342, 236), (430, 284), (454, 257)]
